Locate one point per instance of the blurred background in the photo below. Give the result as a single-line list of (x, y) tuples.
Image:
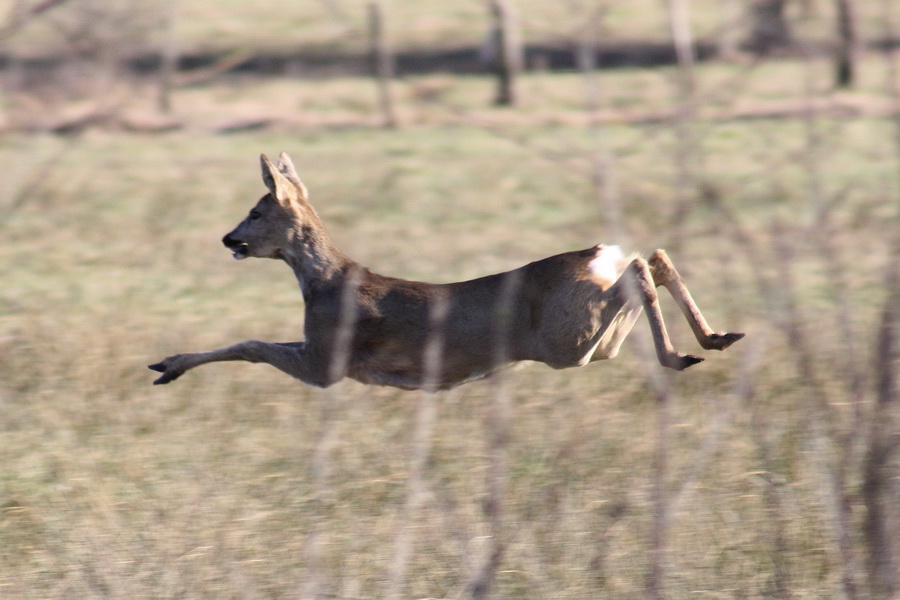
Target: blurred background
[(758, 141)]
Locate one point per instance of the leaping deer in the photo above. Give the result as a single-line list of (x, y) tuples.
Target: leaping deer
[(565, 311)]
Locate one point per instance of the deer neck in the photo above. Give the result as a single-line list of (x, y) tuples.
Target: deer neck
[(316, 261)]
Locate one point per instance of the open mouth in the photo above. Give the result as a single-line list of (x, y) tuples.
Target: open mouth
[(239, 251)]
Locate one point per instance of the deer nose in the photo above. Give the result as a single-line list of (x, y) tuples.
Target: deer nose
[(230, 242)]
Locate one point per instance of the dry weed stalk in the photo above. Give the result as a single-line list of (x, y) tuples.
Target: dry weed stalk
[(879, 487), (316, 576), (773, 492), (382, 59), (688, 153), (660, 498), (824, 424), (498, 432), (840, 445), (168, 56), (835, 455), (426, 415), (603, 173)]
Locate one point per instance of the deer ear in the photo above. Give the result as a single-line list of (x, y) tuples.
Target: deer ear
[(286, 167), (274, 179)]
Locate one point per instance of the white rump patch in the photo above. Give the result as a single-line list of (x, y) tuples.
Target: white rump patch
[(609, 264)]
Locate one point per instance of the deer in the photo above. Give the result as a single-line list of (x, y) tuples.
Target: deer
[(566, 310)]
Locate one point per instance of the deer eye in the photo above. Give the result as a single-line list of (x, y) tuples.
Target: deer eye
[(255, 214)]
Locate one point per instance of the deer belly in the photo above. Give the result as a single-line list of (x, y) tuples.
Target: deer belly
[(394, 366)]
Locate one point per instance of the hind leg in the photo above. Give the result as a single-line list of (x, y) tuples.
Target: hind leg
[(636, 284), (664, 274)]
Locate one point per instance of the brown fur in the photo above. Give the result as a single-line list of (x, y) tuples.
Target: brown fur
[(376, 329)]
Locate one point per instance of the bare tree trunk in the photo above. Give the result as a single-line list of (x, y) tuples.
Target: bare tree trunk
[(382, 63), (848, 43), (769, 28), (506, 51)]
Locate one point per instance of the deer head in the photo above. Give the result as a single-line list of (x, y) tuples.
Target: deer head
[(279, 220)]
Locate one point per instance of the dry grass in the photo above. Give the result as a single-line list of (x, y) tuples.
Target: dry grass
[(237, 482)]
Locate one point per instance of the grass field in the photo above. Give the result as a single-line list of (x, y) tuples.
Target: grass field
[(740, 478)]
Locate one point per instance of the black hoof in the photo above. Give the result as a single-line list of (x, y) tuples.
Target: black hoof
[(167, 375), (689, 360), (720, 341), (680, 362)]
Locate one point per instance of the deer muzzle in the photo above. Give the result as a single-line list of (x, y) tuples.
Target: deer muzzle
[(239, 249)]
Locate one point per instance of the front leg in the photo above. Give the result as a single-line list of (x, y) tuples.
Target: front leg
[(297, 359)]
